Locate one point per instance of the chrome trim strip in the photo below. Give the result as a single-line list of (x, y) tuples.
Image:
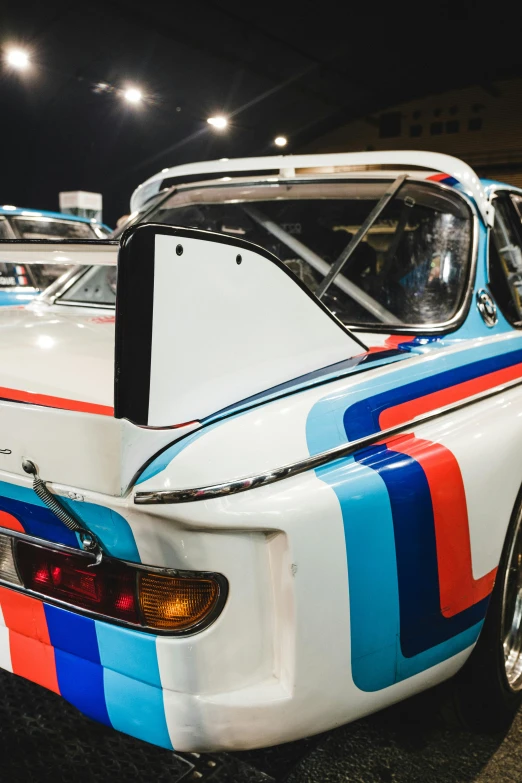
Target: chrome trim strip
[(42, 542), (310, 463)]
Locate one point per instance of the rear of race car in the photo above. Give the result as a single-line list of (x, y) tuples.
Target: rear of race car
[(175, 624), (190, 619)]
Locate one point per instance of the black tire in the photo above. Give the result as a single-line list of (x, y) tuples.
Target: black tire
[(480, 697)]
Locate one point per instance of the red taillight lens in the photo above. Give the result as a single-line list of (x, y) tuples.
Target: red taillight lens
[(165, 602), (109, 588)]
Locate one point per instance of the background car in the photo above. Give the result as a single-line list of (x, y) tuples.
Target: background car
[(19, 283)]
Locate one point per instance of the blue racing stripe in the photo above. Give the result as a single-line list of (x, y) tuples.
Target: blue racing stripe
[(384, 534), (81, 683), (422, 624), (377, 660), (362, 418), (72, 633), (112, 528), (333, 407), (78, 669), (37, 520)]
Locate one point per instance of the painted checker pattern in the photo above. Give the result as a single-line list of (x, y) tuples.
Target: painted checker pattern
[(109, 673), (425, 606)]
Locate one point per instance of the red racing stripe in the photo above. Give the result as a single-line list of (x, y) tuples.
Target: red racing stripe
[(33, 660), (55, 402), (400, 414), (396, 339), (10, 522), (32, 655), (437, 177), (458, 588)]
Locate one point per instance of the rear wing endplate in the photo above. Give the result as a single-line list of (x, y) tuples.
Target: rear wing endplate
[(204, 321)]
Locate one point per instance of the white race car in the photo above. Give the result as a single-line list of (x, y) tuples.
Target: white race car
[(277, 487)]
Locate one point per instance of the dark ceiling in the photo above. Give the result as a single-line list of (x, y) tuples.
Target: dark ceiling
[(296, 69)]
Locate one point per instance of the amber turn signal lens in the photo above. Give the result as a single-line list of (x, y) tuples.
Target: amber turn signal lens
[(176, 603)]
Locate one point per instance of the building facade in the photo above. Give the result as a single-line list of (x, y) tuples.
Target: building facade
[(480, 124)]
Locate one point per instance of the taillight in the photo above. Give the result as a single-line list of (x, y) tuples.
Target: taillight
[(144, 598), (174, 603), (109, 588)]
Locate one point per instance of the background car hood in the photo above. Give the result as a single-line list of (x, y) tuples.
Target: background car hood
[(60, 352)]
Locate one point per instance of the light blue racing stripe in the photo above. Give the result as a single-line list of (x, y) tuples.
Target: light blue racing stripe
[(132, 684), (164, 459), (314, 378), (128, 652), (112, 528), (332, 407), (25, 494), (136, 708), (376, 658)]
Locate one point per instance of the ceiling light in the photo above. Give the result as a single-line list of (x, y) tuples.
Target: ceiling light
[(133, 95), (9, 207), (280, 141), (219, 122), (17, 58)]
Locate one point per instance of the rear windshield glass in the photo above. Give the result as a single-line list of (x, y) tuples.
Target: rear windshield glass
[(410, 268)]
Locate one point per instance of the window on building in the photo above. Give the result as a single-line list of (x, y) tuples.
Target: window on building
[(415, 130), (454, 109), (452, 126), (475, 123), (390, 125), (416, 114), (436, 128), (437, 112)]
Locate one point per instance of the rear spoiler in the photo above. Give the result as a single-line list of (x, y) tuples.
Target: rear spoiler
[(87, 252), (203, 320), (288, 165)]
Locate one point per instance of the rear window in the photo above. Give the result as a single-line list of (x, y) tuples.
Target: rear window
[(410, 269)]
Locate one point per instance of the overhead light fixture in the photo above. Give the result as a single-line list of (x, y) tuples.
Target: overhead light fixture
[(280, 141), (218, 122), (17, 58), (133, 95)]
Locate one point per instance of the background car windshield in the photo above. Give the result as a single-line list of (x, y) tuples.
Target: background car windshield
[(411, 267), (51, 228), (35, 227)]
